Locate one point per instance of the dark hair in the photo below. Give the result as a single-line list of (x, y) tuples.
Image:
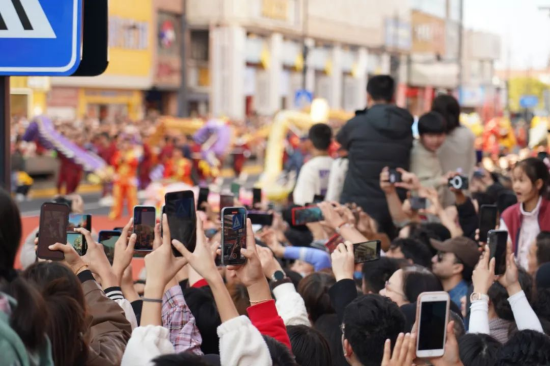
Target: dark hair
[(376, 273), (432, 123), (543, 247), (535, 169), (28, 319), (448, 107), (541, 304), (526, 348), (381, 88), (309, 346), (418, 279), (320, 135), (177, 359), (280, 354), (425, 232), (499, 296), (506, 199), (369, 320), (458, 327), (314, 290), (478, 349), (203, 307), (414, 250), (239, 295), (65, 305), (329, 326), (483, 198), (467, 271)]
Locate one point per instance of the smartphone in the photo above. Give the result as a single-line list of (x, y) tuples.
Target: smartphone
[(108, 239), (318, 198), (256, 197), (118, 228), (80, 221), (260, 218), (54, 220), (418, 203), (76, 240), (305, 215), (233, 235), (203, 197), (367, 251), (236, 190), (226, 200), (182, 218), (488, 216), (144, 227), (497, 241), (432, 317), (333, 242), (394, 176)]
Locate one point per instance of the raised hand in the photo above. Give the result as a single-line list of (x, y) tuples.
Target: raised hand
[(97, 261), (484, 273), (343, 261), (124, 250), (72, 259), (404, 351)]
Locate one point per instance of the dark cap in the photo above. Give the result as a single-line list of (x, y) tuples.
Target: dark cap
[(462, 247)]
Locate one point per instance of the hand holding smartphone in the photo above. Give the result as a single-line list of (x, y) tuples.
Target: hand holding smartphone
[(182, 219), (497, 241), (306, 215), (432, 316), (203, 197), (144, 227), (54, 220), (77, 241), (108, 239), (256, 198), (233, 235), (367, 251)]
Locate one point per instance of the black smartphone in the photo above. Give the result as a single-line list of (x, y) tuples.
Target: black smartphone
[(118, 228), (54, 220), (108, 239), (418, 203), (318, 198), (256, 197), (144, 227), (236, 190), (394, 176), (305, 215), (488, 216), (76, 240), (203, 197), (226, 200), (233, 235), (182, 218), (367, 251), (80, 221), (497, 241), (260, 218)]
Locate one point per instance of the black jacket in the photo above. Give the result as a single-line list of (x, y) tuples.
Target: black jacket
[(379, 137)]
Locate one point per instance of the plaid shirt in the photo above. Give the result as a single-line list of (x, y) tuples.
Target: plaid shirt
[(177, 318)]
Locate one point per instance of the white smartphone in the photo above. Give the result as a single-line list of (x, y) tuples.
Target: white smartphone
[(432, 315)]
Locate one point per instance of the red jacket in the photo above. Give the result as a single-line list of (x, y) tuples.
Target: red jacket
[(266, 319), (512, 218)]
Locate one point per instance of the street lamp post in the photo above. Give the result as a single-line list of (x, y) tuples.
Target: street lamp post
[(305, 10)]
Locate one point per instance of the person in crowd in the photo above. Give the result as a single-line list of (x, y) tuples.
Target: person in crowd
[(406, 284), (478, 350), (526, 348), (314, 290), (531, 215), (541, 304), (20, 180), (414, 251), (457, 154), (314, 175), (454, 264), (338, 173), (539, 253), (125, 162), (379, 136), (309, 346), (377, 273)]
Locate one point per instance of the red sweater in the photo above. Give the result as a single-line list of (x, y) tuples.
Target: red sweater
[(266, 319)]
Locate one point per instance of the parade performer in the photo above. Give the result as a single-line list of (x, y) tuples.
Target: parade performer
[(178, 168), (214, 138), (125, 162), (499, 136)]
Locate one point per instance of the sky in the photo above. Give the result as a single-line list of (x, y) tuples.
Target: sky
[(524, 29)]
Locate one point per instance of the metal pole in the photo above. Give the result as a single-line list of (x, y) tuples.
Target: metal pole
[(460, 45), (5, 140), (183, 110), (305, 16)]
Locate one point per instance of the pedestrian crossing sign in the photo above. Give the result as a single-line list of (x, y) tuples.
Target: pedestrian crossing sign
[(237, 222), (40, 37)]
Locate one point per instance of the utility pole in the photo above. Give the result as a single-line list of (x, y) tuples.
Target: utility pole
[(182, 93), (305, 51), (460, 44)]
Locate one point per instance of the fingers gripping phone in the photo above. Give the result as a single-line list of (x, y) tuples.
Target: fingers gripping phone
[(488, 215), (182, 219), (432, 315), (305, 215), (54, 219), (233, 235), (367, 251), (144, 227), (76, 240), (497, 241), (108, 239)]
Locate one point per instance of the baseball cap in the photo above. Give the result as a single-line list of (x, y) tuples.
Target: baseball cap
[(462, 247)]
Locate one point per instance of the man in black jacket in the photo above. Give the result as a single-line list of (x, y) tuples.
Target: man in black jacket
[(376, 137)]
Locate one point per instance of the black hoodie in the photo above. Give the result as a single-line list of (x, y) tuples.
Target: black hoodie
[(374, 139)]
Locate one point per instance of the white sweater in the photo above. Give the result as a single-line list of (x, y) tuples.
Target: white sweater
[(145, 344), (241, 344), (290, 305)]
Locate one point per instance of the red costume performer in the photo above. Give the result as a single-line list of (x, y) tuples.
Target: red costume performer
[(70, 174), (125, 163), (145, 167)]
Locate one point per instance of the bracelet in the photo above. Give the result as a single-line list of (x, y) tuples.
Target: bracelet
[(345, 224), (80, 269), (259, 302), (145, 299)]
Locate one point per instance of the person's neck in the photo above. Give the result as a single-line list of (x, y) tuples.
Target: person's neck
[(315, 153), (377, 102), (492, 314), (451, 282), (531, 204)]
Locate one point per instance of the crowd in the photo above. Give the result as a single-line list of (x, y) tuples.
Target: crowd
[(300, 298)]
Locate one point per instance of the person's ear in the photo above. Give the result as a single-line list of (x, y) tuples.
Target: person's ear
[(348, 351), (538, 184), (458, 268)]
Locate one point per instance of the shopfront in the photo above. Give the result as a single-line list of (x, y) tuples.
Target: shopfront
[(256, 87)]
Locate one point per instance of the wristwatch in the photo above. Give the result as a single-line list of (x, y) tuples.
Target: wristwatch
[(278, 276), (475, 296), (339, 227)]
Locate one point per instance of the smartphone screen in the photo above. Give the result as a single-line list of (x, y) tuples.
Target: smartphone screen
[(76, 240), (432, 325), (497, 240), (256, 197), (203, 197), (487, 221), (367, 251), (260, 218), (108, 239), (54, 219), (233, 235), (182, 219), (305, 215), (418, 203), (144, 227), (80, 221), (226, 200), (236, 189)]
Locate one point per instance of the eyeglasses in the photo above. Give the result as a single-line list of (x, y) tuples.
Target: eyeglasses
[(388, 288), (440, 256)]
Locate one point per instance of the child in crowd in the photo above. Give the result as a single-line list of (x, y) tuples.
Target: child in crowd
[(314, 175)]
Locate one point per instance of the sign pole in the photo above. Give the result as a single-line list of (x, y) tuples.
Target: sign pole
[(5, 138)]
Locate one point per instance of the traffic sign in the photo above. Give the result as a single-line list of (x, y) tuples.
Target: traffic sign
[(303, 98), (528, 101), (40, 37)]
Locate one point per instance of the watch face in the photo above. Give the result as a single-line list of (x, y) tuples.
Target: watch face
[(278, 275)]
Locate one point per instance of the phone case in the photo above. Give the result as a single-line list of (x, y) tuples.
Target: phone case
[(42, 250)]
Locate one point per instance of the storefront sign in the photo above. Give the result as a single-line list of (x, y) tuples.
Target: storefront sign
[(128, 33), (398, 34), (169, 33), (275, 9), (428, 33)]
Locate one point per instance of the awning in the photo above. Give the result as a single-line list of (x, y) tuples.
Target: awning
[(437, 75)]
